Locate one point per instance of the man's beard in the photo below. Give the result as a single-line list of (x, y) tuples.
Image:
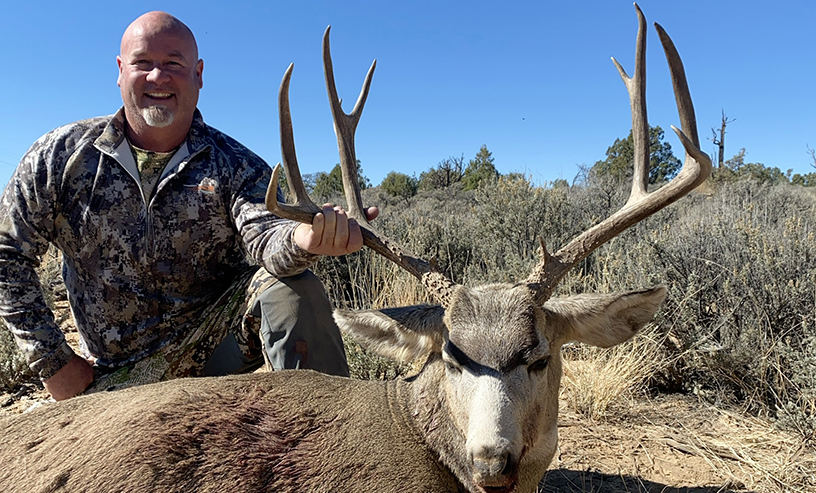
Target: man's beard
[(157, 116)]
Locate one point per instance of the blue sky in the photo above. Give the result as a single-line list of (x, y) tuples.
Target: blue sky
[(531, 80)]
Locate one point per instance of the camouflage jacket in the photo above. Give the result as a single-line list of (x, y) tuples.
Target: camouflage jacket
[(137, 273)]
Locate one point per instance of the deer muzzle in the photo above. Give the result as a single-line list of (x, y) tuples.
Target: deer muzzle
[(495, 472), (494, 441)]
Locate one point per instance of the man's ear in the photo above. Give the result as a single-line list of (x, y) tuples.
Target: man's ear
[(602, 319), (119, 63), (199, 70), (402, 334)]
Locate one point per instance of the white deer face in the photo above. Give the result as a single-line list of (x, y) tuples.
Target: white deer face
[(498, 379), (497, 356)]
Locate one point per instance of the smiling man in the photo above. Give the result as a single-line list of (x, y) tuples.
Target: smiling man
[(159, 77), (172, 263)]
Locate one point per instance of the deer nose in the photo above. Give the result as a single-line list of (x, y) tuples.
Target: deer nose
[(494, 469)]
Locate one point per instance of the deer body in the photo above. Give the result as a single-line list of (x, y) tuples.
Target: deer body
[(290, 431), (464, 423)]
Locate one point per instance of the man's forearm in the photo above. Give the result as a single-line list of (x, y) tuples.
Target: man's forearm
[(27, 316), (283, 257)]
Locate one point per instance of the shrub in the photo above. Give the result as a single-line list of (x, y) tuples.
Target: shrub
[(13, 367)]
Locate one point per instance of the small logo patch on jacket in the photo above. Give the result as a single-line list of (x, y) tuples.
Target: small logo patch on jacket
[(207, 185)]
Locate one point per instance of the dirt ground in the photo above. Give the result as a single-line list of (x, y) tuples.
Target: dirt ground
[(666, 444), (676, 444)]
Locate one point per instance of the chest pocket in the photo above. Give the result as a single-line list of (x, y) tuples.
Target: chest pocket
[(192, 223)]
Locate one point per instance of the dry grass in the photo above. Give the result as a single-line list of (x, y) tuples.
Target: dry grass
[(397, 288), (750, 451), (615, 438), (596, 379)]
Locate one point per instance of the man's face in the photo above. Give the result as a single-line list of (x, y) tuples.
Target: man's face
[(159, 77)]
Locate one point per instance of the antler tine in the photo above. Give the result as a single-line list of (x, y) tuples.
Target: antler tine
[(345, 125), (685, 107), (641, 204), (636, 86), (304, 209)]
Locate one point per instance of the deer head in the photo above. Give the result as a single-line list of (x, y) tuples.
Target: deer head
[(493, 351)]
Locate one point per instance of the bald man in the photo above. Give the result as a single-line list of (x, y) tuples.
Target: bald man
[(172, 263)]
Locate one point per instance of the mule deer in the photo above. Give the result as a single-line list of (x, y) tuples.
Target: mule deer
[(479, 417)]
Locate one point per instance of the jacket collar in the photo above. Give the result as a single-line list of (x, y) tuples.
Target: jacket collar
[(112, 142)]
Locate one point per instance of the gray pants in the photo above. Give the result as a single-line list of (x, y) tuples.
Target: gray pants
[(286, 322), (294, 320)]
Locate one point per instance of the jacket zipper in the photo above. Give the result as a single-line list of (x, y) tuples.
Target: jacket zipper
[(150, 233)]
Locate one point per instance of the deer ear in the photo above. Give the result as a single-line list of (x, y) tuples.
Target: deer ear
[(403, 334), (602, 319)]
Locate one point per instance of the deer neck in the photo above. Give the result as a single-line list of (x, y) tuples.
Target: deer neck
[(425, 401)]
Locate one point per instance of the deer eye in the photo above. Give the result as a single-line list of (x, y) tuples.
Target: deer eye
[(539, 365), (451, 364), (454, 358)]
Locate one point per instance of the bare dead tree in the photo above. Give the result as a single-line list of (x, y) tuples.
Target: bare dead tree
[(719, 140)]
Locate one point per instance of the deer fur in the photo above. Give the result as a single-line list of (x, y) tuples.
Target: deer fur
[(480, 416)]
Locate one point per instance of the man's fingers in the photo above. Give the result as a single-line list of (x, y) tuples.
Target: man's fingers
[(318, 227), (341, 228), (355, 236), (330, 218), (332, 232)]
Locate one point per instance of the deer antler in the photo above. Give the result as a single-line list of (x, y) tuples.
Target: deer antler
[(641, 204), (304, 210)]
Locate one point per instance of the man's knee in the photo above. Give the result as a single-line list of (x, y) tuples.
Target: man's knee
[(297, 327), (228, 359)]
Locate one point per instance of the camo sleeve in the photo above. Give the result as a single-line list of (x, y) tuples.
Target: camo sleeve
[(268, 239), (26, 218)]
